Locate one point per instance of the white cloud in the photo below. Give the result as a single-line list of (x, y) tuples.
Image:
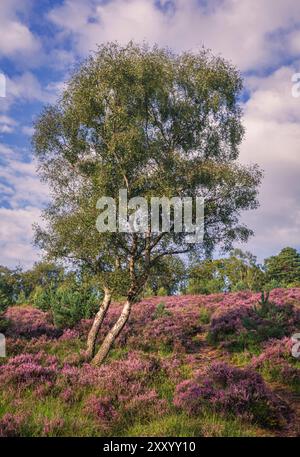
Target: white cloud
[(16, 236), (27, 130), (16, 38), (27, 88), (22, 196), (272, 139), (21, 177), (6, 151), (247, 32), (271, 96), (7, 124)]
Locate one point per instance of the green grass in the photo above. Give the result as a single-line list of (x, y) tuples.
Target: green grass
[(241, 359), (117, 354), (182, 425), (275, 373)]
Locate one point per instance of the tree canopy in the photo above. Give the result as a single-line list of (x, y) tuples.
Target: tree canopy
[(284, 269)]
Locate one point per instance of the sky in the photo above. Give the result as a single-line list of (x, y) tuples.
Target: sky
[(42, 40)]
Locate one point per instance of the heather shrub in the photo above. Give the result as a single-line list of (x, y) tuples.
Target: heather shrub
[(276, 363), (102, 410), (124, 385), (68, 395), (232, 391), (29, 370), (53, 427), (167, 333), (128, 376), (143, 405), (272, 321), (69, 334), (247, 327), (226, 324), (188, 397), (63, 347), (11, 425), (27, 322)]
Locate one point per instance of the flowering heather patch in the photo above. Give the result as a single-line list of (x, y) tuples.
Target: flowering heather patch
[(102, 410), (188, 396), (285, 296), (53, 427), (225, 323), (127, 378), (125, 386), (29, 370), (277, 362), (171, 366), (11, 425), (69, 395), (21, 345), (121, 376), (172, 332), (28, 322), (245, 326), (144, 404), (232, 390), (182, 322), (275, 352), (69, 334), (155, 353)]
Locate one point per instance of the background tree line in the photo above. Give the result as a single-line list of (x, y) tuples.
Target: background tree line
[(74, 295)]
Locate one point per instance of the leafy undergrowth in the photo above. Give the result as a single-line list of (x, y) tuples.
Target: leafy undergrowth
[(217, 365)]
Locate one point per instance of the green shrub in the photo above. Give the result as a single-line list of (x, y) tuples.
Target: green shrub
[(204, 315), (5, 297), (3, 305), (161, 311), (70, 304), (239, 286), (4, 324), (5, 302), (162, 292), (41, 298)]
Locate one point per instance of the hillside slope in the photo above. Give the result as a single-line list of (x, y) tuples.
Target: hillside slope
[(217, 365)]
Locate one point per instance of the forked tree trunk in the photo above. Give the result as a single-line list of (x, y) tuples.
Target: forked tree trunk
[(113, 334), (93, 333)]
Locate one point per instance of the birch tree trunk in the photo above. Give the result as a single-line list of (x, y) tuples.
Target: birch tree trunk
[(112, 334), (93, 333)]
